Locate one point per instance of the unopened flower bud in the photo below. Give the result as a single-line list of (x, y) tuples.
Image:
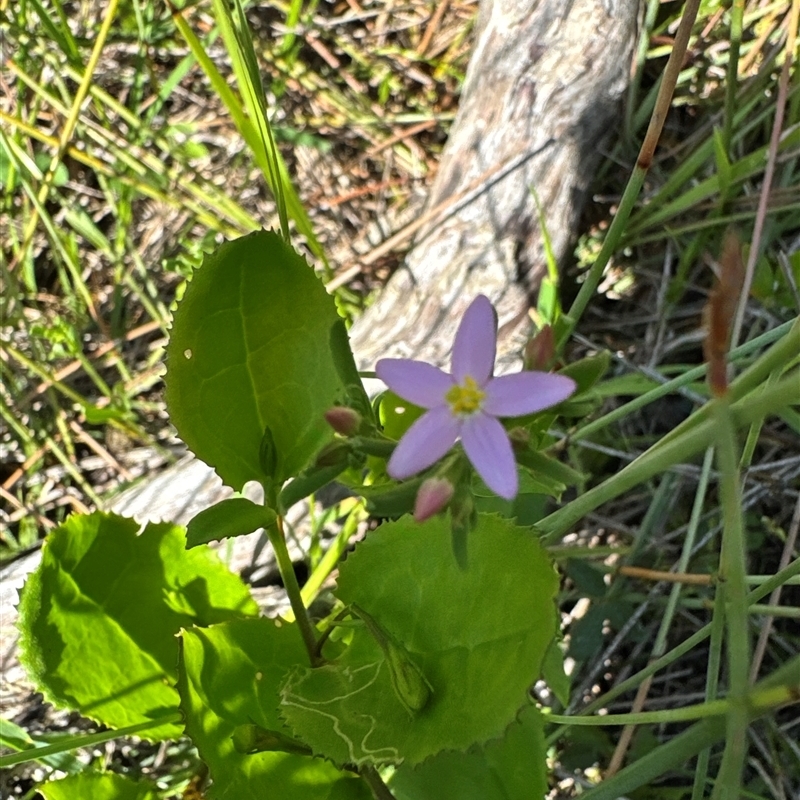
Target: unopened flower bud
[(541, 350), (408, 681), (432, 497), (343, 420), (268, 453), (333, 454)]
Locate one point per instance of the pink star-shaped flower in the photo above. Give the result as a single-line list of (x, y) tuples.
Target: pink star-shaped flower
[(467, 403)]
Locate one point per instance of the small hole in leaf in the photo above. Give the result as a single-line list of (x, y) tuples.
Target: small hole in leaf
[(187, 353)]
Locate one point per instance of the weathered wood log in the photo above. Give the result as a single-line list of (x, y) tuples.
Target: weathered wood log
[(541, 95), (542, 90)]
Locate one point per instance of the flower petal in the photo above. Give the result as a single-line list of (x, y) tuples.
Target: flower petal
[(525, 393), (488, 448), (415, 381), (476, 340), (424, 443)]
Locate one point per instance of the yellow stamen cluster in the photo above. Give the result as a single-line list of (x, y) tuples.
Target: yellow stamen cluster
[(465, 399)]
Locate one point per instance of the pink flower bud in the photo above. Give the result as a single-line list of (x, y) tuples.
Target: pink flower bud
[(343, 420), (432, 497)]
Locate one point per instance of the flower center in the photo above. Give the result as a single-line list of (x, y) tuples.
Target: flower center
[(465, 399)]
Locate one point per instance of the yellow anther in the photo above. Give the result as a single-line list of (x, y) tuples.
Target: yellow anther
[(465, 399)]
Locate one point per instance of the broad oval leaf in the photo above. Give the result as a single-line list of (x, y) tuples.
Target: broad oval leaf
[(98, 618), (94, 786), (479, 661), (229, 678), (234, 516), (510, 768), (250, 356)]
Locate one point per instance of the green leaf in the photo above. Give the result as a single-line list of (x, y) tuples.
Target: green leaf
[(544, 466), (235, 516), (229, 676), (554, 675), (318, 475), (587, 371), (479, 663), (94, 786), (346, 369), (250, 353), (99, 616), (633, 383), (511, 768), (588, 579), (387, 500)]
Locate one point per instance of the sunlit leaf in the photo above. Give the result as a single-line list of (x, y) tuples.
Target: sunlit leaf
[(99, 616), (510, 768), (229, 678), (94, 786), (249, 356), (479, 663), (235, 516)]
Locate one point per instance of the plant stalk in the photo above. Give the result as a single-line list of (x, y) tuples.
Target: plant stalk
[(277, 538)]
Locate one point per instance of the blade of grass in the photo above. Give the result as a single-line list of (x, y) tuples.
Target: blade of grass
[(666, 453), (204, 216), (239, 44), (793, 22), (636, 181), (696, 373), (60, 34), (70, 122), (76, 741), (733, 570), (294, 206)]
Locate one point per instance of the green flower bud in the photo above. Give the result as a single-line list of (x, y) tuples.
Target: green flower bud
[(409, 684), (408, 681)]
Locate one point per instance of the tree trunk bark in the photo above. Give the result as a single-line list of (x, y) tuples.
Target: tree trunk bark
[(542, 92)]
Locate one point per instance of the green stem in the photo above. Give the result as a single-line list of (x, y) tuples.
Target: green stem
[(285, 567), (373, 779), (74, 742), (669, 451), (716, 631), (757, 702), (732, 82), (733, 570)]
